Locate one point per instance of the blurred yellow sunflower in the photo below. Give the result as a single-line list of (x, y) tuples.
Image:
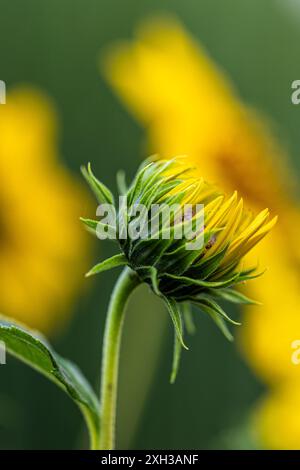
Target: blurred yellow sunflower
[(188, 106), (277, 416), (43, 250)]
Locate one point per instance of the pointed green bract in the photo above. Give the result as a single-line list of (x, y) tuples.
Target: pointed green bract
[(217, 318), (209, 302), (91, 224), (233, 296), (207, 268), (176, 318), (110, 263), (102, 193), (149, 272), (176, 358), (94, 225), (187, 315), (121, 182), (246, 276), (198, 282)]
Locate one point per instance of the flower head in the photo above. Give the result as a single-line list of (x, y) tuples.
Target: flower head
[(190, 241)]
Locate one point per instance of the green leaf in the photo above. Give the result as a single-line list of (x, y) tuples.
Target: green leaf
[(176, 318), (102, 193), (33, 349), (113, 262)]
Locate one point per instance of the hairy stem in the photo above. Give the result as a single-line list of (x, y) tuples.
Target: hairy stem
[(126, 283)]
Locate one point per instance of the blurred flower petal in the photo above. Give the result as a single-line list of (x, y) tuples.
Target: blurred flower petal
[(44, 251)]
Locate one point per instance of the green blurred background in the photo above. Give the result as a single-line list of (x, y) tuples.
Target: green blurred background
[(55, 45)]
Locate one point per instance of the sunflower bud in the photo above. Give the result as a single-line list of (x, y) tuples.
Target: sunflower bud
[(183, 237)]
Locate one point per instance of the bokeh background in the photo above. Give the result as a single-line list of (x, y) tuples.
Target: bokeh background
[(54, 47)]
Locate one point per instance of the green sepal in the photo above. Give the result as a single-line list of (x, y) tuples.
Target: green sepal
[(155, 193), (233, 296), (179, 260), (188, 319), (137, 184), (92, 226), (106, 265), (219, 321), (244, 276), (121, 182), (149, 272), (209, 306), (156, 173), (209, 302), (174, 309), (207, 267), (102, 193), (176, 318), (176, 358), (149, 250), (200, 283)]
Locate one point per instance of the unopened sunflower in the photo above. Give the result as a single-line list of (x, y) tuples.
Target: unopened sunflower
[(192, 256)]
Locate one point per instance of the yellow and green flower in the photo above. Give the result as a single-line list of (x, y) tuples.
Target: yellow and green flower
[(196, 259)]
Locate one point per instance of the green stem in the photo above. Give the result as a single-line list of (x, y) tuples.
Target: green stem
[(93, 428), (126, 283)]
